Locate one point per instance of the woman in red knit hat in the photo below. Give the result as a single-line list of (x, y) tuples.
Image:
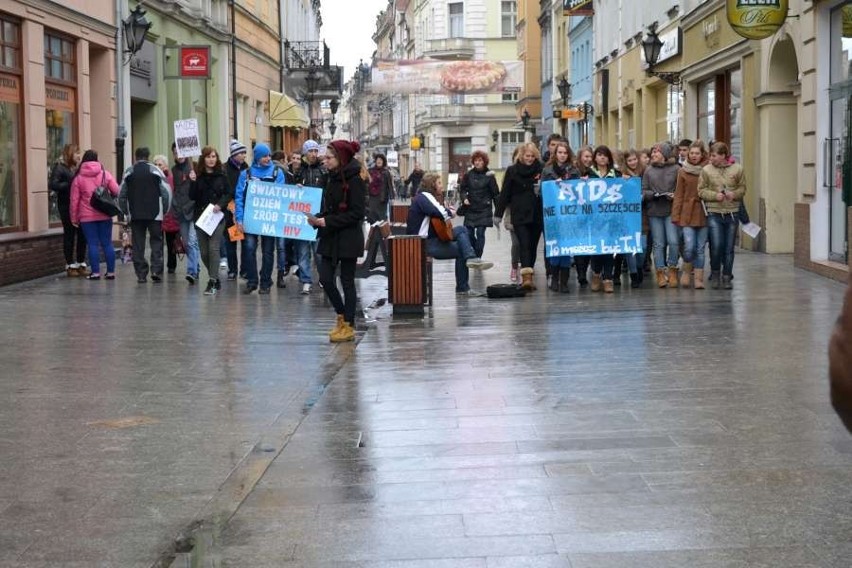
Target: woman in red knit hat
[(341, 239)]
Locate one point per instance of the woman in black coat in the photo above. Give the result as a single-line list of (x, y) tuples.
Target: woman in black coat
[(341, 238), (60, 184), (522, 191), (210, 187), (478, 192)]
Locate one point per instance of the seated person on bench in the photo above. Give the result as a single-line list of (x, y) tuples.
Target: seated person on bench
[(425, 207)]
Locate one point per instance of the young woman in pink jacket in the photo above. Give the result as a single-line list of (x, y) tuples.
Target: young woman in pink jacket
[(96, 226)]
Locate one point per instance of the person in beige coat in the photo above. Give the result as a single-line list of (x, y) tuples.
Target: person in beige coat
[(688, 213), (721, 186)]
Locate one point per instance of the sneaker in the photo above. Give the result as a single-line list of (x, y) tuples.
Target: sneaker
[(263, 291), (513, 274), (223, 263), (249, 289), (141, 279), (191, 279), (232, 276), (478, 264), (218, 284), (469, 293), (156, 278), (306, 289), (211, 288)]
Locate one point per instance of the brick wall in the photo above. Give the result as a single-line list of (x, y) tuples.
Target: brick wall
[(29, 257)]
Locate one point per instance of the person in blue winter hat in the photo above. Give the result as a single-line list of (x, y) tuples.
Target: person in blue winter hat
[(262, 169)]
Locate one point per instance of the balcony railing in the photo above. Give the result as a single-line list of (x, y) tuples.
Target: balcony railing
[(451, 48), (466, 113)]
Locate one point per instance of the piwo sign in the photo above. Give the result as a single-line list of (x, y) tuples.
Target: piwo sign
[(756, 19)]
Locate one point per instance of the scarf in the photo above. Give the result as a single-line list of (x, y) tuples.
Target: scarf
[(693, 170), (376, 179), (528, 171)]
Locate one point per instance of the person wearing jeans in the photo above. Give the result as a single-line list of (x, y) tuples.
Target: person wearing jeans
[(303, 260), (658, 191), (688, 213), (262, 169), (478, 193), (96, 226), (722, 186)]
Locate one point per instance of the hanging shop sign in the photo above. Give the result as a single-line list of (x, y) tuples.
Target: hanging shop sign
[(756, 19), (578, 8), (195, 61)]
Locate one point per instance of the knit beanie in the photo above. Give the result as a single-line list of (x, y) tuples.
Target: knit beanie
[(309, 145), (261, 150), (237, 147), (345, 150), (666, 149)]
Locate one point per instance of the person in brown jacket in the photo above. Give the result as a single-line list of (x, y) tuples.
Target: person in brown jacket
[(688, 213), (840, 362)]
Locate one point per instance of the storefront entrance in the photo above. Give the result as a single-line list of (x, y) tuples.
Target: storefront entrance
[(837, 148)]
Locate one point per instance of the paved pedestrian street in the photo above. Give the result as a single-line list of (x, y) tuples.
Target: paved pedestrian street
[(147, 425)]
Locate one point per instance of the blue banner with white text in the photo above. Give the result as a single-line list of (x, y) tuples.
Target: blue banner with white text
[(279, 210), (592, 216)]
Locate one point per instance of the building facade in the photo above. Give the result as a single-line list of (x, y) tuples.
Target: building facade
[(57, 73)]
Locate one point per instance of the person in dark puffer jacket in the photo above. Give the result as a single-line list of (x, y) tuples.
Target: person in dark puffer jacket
[(478, 192), (210, 188)]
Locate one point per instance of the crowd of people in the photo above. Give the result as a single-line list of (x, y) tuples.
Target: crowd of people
[(160, 207), (691, 194)]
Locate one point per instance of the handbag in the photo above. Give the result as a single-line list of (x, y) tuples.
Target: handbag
[(103, 201), (170, 222)]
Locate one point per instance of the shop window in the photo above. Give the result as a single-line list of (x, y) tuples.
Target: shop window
[(720, 110), (60, 95), (11, 126)]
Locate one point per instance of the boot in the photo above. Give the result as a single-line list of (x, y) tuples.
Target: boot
[(555, 275), (635, 280), (608, 287), (527, 279), (714, 277), (699, 278), (686, 275), (564, 278), (281, 281), (672, 276), (662, 281), (344, 334), (726, 282), (597, 284), (337, 325)]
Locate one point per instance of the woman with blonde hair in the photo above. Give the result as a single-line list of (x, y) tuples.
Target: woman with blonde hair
[(688, 213), (522, 192), (61, 176)]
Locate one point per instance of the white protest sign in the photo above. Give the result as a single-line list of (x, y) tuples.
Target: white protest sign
[(187, 142)]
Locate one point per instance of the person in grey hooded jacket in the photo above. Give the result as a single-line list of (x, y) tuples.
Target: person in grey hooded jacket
[(658, 190)]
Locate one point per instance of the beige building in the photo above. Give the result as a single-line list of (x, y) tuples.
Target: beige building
[(57, 72)]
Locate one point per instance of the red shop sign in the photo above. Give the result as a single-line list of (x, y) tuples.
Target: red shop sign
[(195, 61)]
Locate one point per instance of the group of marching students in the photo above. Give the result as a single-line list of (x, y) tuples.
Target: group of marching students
[(690, 194), (152, 196)]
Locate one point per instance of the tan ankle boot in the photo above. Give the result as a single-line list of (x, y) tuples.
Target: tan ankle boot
[(596, 282), (608, 287), (527, 279), (662, 281), (686, 275), (672, 276), (338, 325), (345, 333), (699, 278)]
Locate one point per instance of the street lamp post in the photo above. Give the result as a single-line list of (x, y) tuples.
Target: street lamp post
[(130, 35), (652, 46)]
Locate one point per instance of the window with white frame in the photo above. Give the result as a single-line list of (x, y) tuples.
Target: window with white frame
[(509, 140), (508, 18), (456, 11), (510, 97), (546, 55)]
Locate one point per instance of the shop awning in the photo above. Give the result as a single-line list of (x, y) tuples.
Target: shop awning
[(285, 112)]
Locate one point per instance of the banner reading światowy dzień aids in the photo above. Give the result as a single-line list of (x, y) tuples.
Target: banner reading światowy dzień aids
[(592, 216), (279, 210)]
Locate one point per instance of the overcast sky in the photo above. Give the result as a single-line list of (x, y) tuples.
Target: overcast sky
[(347, 28)]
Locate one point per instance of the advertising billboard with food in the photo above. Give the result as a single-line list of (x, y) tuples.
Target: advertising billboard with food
[(447, 77)]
